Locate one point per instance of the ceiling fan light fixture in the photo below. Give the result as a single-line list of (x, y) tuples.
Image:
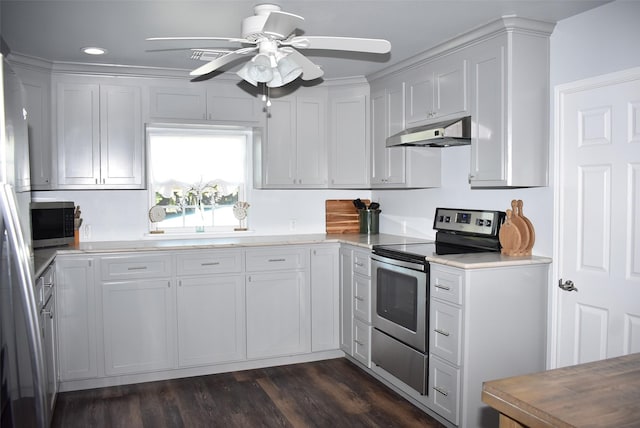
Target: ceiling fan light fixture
[(288, 69)]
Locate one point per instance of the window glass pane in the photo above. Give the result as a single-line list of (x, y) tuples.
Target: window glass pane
[(197, 174)]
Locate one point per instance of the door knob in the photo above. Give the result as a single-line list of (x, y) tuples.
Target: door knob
[(567, 285)]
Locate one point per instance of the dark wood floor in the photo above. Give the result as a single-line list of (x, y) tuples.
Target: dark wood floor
[(332, 393)]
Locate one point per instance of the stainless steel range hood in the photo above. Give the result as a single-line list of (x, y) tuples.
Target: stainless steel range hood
[(455, 132)]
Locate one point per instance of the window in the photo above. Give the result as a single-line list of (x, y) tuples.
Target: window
[(197, 174)]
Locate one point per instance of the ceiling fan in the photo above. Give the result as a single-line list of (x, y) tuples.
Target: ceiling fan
[(274, 45)]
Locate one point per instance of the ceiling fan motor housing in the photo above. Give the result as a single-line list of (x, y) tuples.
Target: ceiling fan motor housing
[(252, 26)]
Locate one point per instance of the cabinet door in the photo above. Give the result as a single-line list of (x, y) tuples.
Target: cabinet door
[(177, 103), (362, 298), (362, 342), (138, 326), (324, 298), (387, 116), (121, 143), (450, 86), (278, 314), (311, 143), (444, 389), (349, 143), (395, 164), (38, 108), (346, 300), (211, 320), (76, 318), (489, 144), (419, 94), (78, 134), (279, 152), (445, 322)]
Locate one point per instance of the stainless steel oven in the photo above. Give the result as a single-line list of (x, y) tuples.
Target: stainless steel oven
[(400, 301)]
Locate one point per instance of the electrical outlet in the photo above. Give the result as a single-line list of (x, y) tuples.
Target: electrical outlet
[(87, 232), (292, 224)]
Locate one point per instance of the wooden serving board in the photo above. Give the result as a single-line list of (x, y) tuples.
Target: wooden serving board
[(509, 236), (341, 216)]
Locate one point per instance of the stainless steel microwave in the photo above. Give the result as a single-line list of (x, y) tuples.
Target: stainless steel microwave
[(52, 223)]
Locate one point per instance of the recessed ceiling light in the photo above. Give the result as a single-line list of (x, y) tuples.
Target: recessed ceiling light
[(92, 50)]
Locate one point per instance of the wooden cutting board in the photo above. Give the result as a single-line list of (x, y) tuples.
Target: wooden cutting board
[(532, 232), (509, 235), (341, 216), (522, 228)]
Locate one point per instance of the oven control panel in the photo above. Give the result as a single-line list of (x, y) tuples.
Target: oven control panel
[(476, 222)]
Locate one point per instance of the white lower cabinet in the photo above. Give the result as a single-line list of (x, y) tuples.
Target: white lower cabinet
[(325, 321), (138, 326), (355, 303), (136, 316), (76, 317), (211, 320), (484, 324), (278, 315)]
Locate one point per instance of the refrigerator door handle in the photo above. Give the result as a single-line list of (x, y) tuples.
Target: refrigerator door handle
[(8, 206)]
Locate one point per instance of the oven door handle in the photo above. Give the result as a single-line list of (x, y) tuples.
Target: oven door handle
[(402, 263)]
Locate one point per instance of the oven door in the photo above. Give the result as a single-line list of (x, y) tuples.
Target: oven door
[(400, 300)]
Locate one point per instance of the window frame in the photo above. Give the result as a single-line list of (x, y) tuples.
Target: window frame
[(250, 134)]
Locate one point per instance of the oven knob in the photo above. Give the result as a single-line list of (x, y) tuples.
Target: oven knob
[(487, 223), (447, 219)]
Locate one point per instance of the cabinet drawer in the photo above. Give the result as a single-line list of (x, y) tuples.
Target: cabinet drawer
[(114, 268), (444, 386), (362, 263), (446, 284), (362, 342), (274, 259), (362, 298), (209, 262), (445, 322)]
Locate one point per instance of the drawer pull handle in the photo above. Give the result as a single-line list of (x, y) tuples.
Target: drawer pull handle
[(442, 332), (359, 264), (357, 342), (210, 264), (137, 268), (441, 391), (277, 260), (358, 298), (444, 287)]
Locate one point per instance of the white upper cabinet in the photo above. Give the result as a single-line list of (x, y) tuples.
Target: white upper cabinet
[(397, 167), (437, 89), (294, 152), (199, 101), (37, 85), (349, 143), (510, 113), (99, 136)]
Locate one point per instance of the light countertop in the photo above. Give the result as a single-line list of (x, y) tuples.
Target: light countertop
[(44, 257)]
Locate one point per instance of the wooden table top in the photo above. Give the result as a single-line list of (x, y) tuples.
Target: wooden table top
[(599, 394)]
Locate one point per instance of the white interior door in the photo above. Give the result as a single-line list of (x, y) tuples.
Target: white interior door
[(599, 218)]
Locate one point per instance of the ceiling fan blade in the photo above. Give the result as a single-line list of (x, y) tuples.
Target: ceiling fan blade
[(340, 44), (219, 62), (281, 24), (228, 39), (310, 70)]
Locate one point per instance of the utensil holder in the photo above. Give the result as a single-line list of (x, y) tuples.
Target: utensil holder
[(369, 221)]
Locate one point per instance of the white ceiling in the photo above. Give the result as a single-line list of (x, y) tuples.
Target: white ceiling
[(55, 30)]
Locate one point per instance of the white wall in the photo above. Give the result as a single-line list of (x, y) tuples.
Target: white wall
[(121, 215), (417, 207)]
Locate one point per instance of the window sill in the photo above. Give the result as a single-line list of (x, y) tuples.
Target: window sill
[(199, 235)]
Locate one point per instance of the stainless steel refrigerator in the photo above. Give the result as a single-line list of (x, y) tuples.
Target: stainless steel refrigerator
[(22, 372)]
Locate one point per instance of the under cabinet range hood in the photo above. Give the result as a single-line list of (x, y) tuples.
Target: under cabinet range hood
[(455, 132)]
